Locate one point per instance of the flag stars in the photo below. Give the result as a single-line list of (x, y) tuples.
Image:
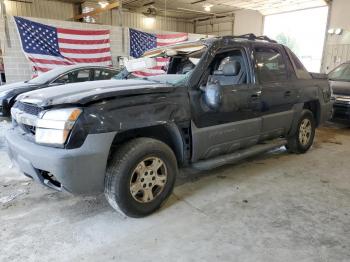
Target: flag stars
[(39, 39)]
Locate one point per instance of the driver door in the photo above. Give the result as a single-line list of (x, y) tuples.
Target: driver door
[(234, 123)]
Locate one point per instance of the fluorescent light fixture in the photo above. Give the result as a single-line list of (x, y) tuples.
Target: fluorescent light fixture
[(149, 21), (207, 7), (338, 31), (331, 31), (103, 4)]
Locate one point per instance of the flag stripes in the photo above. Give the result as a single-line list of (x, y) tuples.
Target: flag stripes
[(47, 47)]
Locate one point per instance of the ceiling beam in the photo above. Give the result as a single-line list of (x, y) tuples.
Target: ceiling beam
[(97, 11), (22, 1)]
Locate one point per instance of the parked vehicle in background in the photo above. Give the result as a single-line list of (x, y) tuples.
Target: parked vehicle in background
[(58, 76), (339, 79), (221, 100)]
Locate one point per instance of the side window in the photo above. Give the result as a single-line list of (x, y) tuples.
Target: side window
[(82, 75), (270, 65), (300, 70), (103, 74), (228, 68), (62, 79), (74, 77)]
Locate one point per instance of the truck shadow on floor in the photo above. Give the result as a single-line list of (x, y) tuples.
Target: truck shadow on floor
[(77, 207), (326, 134), (188, 175)]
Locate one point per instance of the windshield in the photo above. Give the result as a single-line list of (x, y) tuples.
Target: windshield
[(47, 76), (173, 64), (340, 73)]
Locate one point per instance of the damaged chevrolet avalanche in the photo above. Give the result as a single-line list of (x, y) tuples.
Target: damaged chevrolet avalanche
[(199, 104)]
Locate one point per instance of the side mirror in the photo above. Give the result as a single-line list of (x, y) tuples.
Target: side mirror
[(213, 95)]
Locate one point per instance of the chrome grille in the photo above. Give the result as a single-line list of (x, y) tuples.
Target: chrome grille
[(28, 108), (25, 116)]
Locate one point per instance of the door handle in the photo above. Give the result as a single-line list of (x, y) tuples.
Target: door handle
[(287, 93), (256, 95)]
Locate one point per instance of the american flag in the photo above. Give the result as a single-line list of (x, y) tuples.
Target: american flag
[(140, 42), (48, 47)]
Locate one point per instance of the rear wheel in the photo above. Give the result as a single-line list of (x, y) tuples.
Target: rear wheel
[(303, 139), (140, 177)]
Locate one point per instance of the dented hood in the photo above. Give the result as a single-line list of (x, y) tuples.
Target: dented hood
[(86, 92)]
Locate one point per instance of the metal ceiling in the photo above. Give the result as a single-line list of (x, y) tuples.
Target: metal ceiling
[(195, 8)]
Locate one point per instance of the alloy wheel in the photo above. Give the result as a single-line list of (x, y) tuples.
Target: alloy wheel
[(148, 179)]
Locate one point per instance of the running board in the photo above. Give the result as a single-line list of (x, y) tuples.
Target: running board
[(218, 161)]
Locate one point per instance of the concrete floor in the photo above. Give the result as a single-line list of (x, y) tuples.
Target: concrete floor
[(277, 207)]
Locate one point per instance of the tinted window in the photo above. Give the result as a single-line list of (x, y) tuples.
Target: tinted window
[(48, 76), (65, 79), (103, 74), (300, 70), (340, 73), (83, 75), (270, 65), (227, 68), (73, 77)]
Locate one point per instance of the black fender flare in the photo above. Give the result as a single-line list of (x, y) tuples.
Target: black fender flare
[(168, 132)]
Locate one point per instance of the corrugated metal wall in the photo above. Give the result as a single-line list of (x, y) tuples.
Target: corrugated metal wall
[(41, 9), (334, 55), (51, 9), (337, 47), (216, 26), (161, 23), (136, 20), (17, 67)]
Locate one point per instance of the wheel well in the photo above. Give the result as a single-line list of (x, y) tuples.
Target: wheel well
[(314, 107), (162, 133)]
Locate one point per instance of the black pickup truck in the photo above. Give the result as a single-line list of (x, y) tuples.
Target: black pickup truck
[(219, 100)]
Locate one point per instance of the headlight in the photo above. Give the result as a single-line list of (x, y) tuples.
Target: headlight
[(54, 126)]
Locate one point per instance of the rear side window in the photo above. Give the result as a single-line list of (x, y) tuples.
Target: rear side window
[(83, 75), (73, 77), (270, 65), (103, 74), (299, 68)]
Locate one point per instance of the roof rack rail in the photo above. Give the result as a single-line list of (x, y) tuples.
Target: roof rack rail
[(265, 38), (246, 36), (251, 37)]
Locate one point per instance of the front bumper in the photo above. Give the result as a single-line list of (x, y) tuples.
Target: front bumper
[(79, 171), (341, 111)]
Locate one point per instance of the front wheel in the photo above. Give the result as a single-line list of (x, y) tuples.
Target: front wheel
[(140, 177), (303, 139)]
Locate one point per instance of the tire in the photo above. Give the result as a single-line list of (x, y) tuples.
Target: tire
[(303, 138), (140, 166)]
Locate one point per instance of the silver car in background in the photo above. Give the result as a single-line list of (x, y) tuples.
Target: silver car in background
[(339, 79)]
